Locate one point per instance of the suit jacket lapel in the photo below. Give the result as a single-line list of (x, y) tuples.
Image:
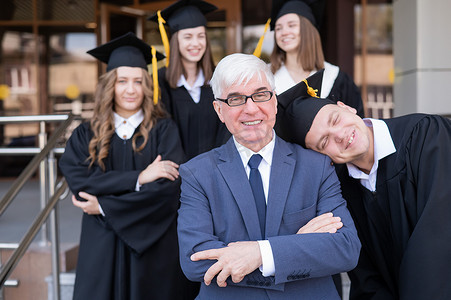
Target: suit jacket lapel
[(282, 171), (231, 167)]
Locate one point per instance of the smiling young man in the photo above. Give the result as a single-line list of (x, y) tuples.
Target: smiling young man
[(274, 230), (394, 176)]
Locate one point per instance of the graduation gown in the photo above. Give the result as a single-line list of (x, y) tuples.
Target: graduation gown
[(199, 126), (335, 85), (132, 252), (405, 225)]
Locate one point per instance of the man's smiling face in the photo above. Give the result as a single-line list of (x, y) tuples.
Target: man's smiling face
[(251, 123), (339, 133)]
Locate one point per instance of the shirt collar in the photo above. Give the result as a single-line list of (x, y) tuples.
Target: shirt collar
[(266, 152), (198, 83), (383, 145), (133, 121)]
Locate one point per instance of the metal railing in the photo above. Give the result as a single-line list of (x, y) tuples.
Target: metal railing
[(9, 282), (45, 160)]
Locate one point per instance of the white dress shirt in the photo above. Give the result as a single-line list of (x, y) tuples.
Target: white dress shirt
[(383, 147), (267, 268), (194, 90), (126, 127)]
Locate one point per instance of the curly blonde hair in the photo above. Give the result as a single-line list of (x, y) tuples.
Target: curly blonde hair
[(102, 124)]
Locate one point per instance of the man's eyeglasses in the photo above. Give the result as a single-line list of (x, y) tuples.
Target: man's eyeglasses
[(242, 99)]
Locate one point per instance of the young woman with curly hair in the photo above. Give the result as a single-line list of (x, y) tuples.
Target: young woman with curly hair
[(122, 167)]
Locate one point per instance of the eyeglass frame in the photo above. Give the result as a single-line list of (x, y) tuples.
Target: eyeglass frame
[(247, 97)]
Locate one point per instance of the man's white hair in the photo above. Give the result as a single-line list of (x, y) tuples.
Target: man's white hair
[(237, 69)]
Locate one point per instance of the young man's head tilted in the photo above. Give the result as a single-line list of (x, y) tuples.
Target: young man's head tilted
[(331, 129)]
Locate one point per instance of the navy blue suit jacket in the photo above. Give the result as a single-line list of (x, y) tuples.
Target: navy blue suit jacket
[(217, 208)]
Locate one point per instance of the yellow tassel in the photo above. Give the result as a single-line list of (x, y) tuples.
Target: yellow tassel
[(310, 90), (164, 36), (155, 76), (258, 49)]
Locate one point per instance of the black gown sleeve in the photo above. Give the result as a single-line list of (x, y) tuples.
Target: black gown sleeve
[(420, 188), (141, 218), (75, 168), (426, 265)]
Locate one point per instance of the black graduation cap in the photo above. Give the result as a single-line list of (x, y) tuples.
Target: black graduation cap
[(301, 90), (297, 108), (311, 9), (129, 51), (125, 51), (185, 14)]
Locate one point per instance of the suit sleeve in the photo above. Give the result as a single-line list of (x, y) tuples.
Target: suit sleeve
[(426, 265), (296, 257), (301, 256), (196, 233), (195, 223)]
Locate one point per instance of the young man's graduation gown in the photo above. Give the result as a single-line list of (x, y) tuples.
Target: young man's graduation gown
[(405, 226), (132, 252), (199, 126)]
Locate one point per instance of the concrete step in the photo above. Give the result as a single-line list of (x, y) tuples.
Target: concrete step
[(67, 281), (33, 269)]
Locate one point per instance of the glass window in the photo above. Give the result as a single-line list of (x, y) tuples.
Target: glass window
[(72, 71), (18, 74), (16, 10), (66, 10)]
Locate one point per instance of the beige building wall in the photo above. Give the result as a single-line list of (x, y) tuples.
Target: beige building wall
[(422, 50)]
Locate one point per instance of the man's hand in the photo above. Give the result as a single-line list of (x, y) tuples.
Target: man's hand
[(323, 223), (236, 260), (159, 169), (91, 206)]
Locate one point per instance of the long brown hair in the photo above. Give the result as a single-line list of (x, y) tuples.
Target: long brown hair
[(176, 69), (310, 51), (102, 124)]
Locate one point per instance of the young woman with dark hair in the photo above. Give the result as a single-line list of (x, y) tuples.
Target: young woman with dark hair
[(298, 52)]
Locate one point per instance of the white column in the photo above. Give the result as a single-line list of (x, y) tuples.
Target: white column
[(422, 51)]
